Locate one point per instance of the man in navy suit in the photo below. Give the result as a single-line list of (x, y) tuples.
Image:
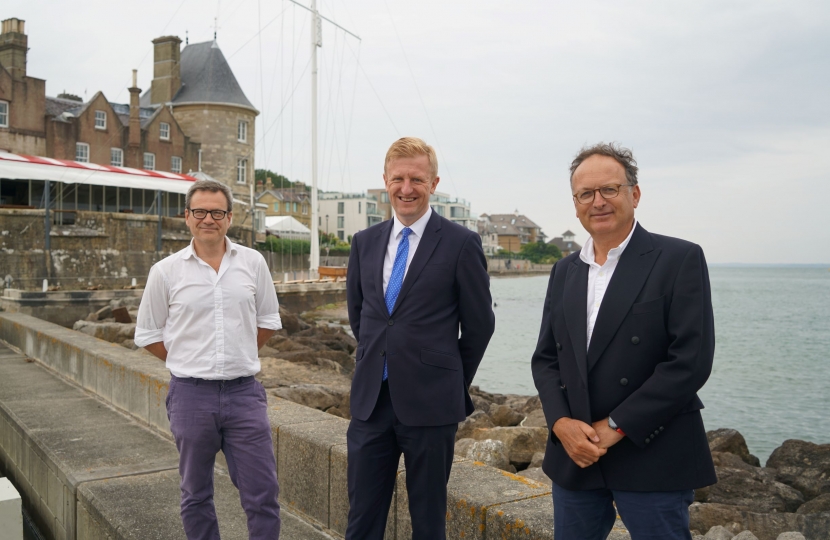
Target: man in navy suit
[(627, 340), (420, 308)]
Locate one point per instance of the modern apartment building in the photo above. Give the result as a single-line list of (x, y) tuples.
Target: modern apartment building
[(344, 214)]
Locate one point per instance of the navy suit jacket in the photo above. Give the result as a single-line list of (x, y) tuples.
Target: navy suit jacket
[(446, 289), (651, 351)]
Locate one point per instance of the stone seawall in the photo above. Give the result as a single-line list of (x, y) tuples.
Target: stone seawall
[(484, 503)]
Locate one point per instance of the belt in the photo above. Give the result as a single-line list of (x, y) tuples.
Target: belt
[(213, 382)]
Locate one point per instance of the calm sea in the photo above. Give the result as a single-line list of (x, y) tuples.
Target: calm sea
[(771, 379)]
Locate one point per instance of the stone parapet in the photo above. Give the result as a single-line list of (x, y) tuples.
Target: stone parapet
[(100, 492)]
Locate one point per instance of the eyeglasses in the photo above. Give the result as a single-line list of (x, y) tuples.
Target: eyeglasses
[(199, 213), (607, 192)]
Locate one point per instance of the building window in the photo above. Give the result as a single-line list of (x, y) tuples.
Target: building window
[(305, 209), (164, 131), (340, 236), (241, 171), (100, 120), (295, 207), (340, 207), (341, 222), (82, 152), (200, 160), (176, 164), (242, 131), (276, 207), (384, 197), (4, 114), (116, 157), (149, 161), (358, 206)]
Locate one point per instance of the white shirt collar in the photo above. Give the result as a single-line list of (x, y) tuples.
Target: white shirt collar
[(588, 256), (418, 227), (230, 247)]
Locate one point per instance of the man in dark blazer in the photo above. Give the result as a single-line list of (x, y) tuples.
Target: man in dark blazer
[(414, 283), (627, 340)]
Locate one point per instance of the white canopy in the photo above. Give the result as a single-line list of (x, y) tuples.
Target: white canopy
[(287, 227)]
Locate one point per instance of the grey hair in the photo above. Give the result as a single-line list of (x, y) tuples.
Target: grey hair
[(213, 187), (622, 155)]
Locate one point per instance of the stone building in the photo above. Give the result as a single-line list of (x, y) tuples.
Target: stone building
[(566, 243), (293, 202), (515, 230)]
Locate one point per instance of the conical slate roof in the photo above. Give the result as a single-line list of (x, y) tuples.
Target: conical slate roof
[(206, 78)]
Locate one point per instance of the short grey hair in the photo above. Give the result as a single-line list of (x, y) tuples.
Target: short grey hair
[(622, 155), (212, 186)]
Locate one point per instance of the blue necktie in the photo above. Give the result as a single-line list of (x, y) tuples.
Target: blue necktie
[(396, 279)]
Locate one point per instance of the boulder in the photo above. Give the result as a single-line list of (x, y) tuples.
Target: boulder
[(103, 313), (803, 465), (291, 322), (108, 331), (504, 416), (521, 442), (816, 506), (316, 396), (300, 356), (790, 536), (492, 398), (336, 411), (480, 403), (745, 535), (462, 446), (490, 452), (718, 532), (704, 516), (121, 315), (755, 489), (536, 474), (730, 440), (533, 403), (537, 460), (477, 420), (536, 419)]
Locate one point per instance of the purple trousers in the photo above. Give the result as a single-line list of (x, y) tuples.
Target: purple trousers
[(208, 416)]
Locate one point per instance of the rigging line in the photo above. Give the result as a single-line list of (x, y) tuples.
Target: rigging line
[(351, 120), (338, 101), (233, 12), (328, 111), (258, 33), (420, 97), (261, 83), (385, 110)]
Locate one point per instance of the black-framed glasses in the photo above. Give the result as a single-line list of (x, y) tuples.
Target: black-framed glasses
[(200, 213), (606, 192)]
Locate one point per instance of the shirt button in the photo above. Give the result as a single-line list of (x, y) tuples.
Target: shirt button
[(635, 340), (391, 322)]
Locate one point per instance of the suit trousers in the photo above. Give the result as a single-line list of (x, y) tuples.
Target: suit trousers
[(208, 416), (374, 450), (648, 515)]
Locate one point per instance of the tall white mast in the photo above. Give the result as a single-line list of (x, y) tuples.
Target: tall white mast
[(316, 41)]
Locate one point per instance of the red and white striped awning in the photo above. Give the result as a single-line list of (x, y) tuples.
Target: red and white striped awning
[(22, 167)]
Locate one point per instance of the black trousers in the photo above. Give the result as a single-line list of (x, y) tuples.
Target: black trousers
[(374, 449)]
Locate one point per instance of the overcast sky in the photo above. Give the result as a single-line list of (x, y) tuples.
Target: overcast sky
[(726, 104)]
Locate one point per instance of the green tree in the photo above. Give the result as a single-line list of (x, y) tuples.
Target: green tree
[(279, 181), (540, 252)]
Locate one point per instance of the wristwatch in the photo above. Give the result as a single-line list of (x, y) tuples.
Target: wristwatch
[(613, 425)]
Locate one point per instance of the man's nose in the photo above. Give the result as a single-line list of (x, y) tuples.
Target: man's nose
[(599, 200), (407, 187)]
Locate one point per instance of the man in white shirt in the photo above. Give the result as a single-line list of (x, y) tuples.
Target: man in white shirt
[(627, 340), (206, 311)]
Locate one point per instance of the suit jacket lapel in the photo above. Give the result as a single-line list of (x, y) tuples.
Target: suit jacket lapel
[(379, 247), (575, 304), (432, 235), (629, 277)]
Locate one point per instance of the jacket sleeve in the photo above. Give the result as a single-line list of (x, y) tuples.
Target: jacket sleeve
[(475, 306), (545, 366), (688, 363), (354, 290)]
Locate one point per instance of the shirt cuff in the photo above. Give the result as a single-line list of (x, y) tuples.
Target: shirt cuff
[(144, 337), (269, 322)]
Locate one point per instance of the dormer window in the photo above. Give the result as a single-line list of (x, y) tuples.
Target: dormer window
[(164, 131), (100, 120), (242, 131)]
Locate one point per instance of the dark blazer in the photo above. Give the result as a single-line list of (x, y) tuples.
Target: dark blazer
[(650, 352), (446, 288)]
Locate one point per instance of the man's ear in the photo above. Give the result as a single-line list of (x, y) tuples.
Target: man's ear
[(435, 184)]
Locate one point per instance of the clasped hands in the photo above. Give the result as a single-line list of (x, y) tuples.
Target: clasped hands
[(584, 443)]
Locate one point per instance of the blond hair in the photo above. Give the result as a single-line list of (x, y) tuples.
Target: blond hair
[(408, 147)]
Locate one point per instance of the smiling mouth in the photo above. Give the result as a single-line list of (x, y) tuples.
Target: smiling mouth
[(406, 199)]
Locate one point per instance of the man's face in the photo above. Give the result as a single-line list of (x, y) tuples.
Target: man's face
[(409, 183), (605, 217), (208, 230)]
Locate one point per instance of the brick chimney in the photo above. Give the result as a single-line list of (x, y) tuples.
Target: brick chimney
[(134, 142), (167, 78), (13, 47)]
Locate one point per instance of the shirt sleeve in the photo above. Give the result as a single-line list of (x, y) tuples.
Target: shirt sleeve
[(153, 310), (267, 306)]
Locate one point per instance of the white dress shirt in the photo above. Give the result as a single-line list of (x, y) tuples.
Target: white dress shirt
[(600, 276), (415, 236), (208, 320)]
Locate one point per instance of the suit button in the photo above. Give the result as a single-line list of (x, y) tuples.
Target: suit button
[(661, 428), (648, 440), (383, 353), (623, 381), (559, 346), (635, 340), (391, 322)]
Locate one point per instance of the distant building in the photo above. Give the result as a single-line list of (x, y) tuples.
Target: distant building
[(384, 207), (344, 214), (294, 202), (566, 243), (515, 230), (489, 236)]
